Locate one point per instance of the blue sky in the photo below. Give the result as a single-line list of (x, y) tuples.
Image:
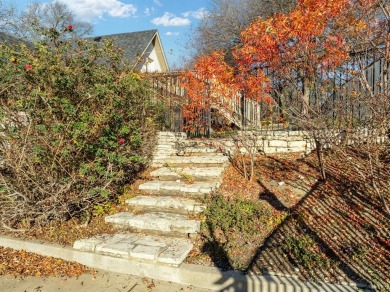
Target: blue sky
[(173, 18)]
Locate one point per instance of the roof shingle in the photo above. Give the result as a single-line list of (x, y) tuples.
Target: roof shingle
[(133, 43)]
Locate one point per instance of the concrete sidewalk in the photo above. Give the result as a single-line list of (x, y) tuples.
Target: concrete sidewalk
[(167, 278), (101, 282)]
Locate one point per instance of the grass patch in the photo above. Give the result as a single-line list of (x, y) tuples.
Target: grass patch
[(232, 229), (238, 215), (306, 252)]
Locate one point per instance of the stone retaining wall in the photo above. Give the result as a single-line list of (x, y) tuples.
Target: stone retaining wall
[(285, 142), (259, 143), (273, 142), (281, 142)]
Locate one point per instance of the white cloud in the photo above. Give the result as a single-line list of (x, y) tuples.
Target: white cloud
[(170, 33), (198, 14), (91, 9), (169, 19), (149, 11), (157, 2)]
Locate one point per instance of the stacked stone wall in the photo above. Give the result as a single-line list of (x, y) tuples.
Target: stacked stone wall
[(260, 143)]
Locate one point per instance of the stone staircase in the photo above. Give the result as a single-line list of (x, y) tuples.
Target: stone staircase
[(160, 223)]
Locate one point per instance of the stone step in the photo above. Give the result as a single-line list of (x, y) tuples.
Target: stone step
[(164, 203), (171, 134), (172, 151), (196, 150), (167, 144), (210, 160), (175, 188), (187, 173), (159, 249), (159, 222), (164, 154)]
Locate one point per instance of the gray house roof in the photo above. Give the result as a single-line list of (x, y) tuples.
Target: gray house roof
[(134, 44), (5, 37)]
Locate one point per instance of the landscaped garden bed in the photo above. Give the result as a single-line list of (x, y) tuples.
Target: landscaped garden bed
[(21, 263), (285, 221)]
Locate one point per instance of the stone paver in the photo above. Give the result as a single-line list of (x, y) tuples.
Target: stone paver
[(177, 187), (172, 134), (145, 252), (146, 247), (178, 204), (88, 244), (152, 241), (156, 221), (216, 159), (175, 253), (199, 150), (120, 249), (192, 172)]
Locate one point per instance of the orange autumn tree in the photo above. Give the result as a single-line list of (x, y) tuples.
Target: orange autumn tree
[(300, 52), (298, 46), (303, 50), (294, 47), (203, 86), (215, 84)]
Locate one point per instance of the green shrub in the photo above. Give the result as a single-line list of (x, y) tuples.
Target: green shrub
[(75, 126), (237, 214), (304, 250)]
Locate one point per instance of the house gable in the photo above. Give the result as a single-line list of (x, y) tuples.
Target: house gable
[(11, 40), (143, 49)]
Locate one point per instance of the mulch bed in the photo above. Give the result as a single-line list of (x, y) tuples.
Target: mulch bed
[(333, 231), (280, 182), (22, 263)]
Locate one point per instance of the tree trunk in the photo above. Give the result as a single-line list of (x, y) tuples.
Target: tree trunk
[(305, 96), (320, 157), (379, 194)]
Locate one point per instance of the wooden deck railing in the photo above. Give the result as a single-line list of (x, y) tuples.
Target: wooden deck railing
[(248, 113)]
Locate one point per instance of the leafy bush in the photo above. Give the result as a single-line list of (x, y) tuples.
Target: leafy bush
[(233, 228), (237, 214), (305, 251), (75, 126)]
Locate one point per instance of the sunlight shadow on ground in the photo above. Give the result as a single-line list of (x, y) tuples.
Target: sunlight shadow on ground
[(335, 232), (339, 234)]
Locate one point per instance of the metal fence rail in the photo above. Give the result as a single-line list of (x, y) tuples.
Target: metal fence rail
[(167, 88), (341, 94)]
